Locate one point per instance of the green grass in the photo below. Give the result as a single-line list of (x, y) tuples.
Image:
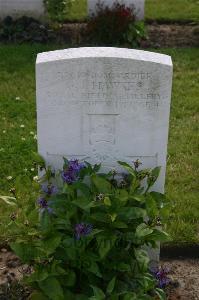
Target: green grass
[(155, 9), (172, 10), (78, 10), (183, 164), (17, 79)]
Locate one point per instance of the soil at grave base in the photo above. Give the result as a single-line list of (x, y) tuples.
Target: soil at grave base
[(159, 35), (184, 272), (173, 35)]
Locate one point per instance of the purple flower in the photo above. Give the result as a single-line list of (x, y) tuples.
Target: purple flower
[(161, 276), (44, 205), (71, 173), (75, 165), (69, 176), (49, 189), (82, 230)]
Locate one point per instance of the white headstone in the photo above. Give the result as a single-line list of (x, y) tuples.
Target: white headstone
[(18, 8), (104, 105), (137, 4)]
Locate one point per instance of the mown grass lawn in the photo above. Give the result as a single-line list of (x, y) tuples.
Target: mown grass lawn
[(154, 9), (18, 135), (172, 10)]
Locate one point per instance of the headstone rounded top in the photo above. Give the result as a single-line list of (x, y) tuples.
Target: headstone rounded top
[(103, 52), (104, 105)]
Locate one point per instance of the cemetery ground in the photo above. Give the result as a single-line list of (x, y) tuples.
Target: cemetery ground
[(19, 142), (18, 135)]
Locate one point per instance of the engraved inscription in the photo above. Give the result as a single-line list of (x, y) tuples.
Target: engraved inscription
[(89, 75), (119, 90)]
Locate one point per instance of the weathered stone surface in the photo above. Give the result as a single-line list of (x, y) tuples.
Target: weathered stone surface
[(104, 105), (138, 5)]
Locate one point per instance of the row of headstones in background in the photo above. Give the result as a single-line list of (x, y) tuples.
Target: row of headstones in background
[(104, 105), (35, 8)]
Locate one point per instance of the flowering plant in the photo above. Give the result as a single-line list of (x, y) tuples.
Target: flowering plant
[(89, 233), (161, 274), (115, 25), (57, 9)]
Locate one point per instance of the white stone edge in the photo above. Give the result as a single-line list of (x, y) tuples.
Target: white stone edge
[(103, 52)]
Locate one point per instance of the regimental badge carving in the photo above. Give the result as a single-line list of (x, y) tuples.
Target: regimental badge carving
[(102, 135), (102, 128)]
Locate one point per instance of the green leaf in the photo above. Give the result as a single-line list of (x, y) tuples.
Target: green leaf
[(82, 187), (153, 176), (96, 168), (98, 293), (37, 296), (143, 230), (49, 245), (45, 222), (158, 197), (159, 236), (142, 259), (83, 202), (37, 158), (39, 274), (95, 232), (119, 224), (9, 200), (69, 248), (69, 295), (101, 217), (52, 288), (111, 286), (33, 216), (79, 297), (113, 216), (139, 198), (62, 223), (105, 244), (101, 184), (66, 188), (132, 213), (163, 204), (123, 267), (151, 207), (93, 268), (104, 248), (107, 201), (128, 168), (122, 196), (130, 296), (70, 278), (26, 252), (161, 294), (156, 172)]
